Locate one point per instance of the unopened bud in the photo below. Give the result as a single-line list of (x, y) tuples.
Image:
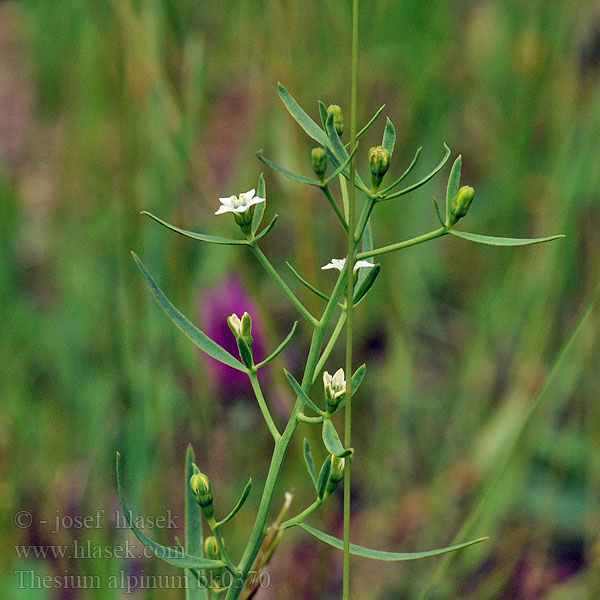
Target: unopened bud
[(379, 162), (338, 118), (462, 201), (336, 474), (319, 161), (201, 487), (211, 548), (246, 328)]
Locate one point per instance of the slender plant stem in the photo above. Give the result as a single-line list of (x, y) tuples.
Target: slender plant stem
[(264, 261), (263, 406), (400, 245), (330, 344), (301, 516), (334, 205), (349, 304)]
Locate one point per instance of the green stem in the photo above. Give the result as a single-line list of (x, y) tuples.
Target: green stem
[(214, 527), (334, 205), (350, 304), (263, 406), (330, 344), (412, 242), (364, 219), (301, 516), (281, 445), (264, 261)]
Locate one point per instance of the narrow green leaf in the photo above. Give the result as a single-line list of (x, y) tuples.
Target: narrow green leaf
[(323, 114), (381, 554), (245, 352), (193, 527), (368, 125), (338, 152), (279, 348), (502, 241), (453, 184), (259, 209), (332, 441), (367, 283), (323, 477), (301, 394), (367, 246), (267, 229), (189, 329), (439, 212), (293, 176), (423, 181), (311, 128), (310, 463), (303, 281), (358, 377), (389, 137), (239, 504), (211, 239), (403, 176), (169, 555), (340, 168)]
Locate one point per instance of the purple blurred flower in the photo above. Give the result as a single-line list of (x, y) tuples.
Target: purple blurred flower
[(216, 305)]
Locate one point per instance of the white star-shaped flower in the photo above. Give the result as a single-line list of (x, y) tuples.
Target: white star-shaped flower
[(239, 204), (338, 263)]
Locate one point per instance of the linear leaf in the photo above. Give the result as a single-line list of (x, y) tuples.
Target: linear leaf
[(368, 125), (259, 209), (239, 504), (332, 441), (358, 377), (187, 327), (423, 181), (323, 114), (341, 167), (366, 284), (323, 476), (389, 137), (311, 128), (211, 239), (303, 281), (310, 462), (293, 176), (169, 555), (439, 213), (279, 348), (453, 184), (267, 229), (406, 172), (302, 394), (367, 246), (502, 241), (193, 527), (381, 554)]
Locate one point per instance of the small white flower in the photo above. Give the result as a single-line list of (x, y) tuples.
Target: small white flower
[(239, 204), (335, 388), (338, 263)]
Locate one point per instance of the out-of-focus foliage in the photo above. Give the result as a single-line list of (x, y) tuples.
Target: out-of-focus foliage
[(111, 107)]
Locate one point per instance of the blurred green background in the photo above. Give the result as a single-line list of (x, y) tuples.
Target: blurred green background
[(108, 108)]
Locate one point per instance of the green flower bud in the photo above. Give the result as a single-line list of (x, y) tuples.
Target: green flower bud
[(319, 161), (338, 118), (335, 475), (246, 328), (201, 487), (335, 389), (379, 161), (461, 203), (211, 548)]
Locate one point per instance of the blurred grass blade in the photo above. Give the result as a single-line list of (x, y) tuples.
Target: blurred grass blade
[(259, 209), (311, 128), (502, 241), (381, 554), (239, 504), (279, 348), (293, 176), (332, 441), (453, 184), (323, 476), (406, 172), (305, 283), (193, 528), (301, 394), (367, 283), (389, 137), (423, 181), (267, 229), (211, 239), (310, 462), (189, 329), (169, 555)]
